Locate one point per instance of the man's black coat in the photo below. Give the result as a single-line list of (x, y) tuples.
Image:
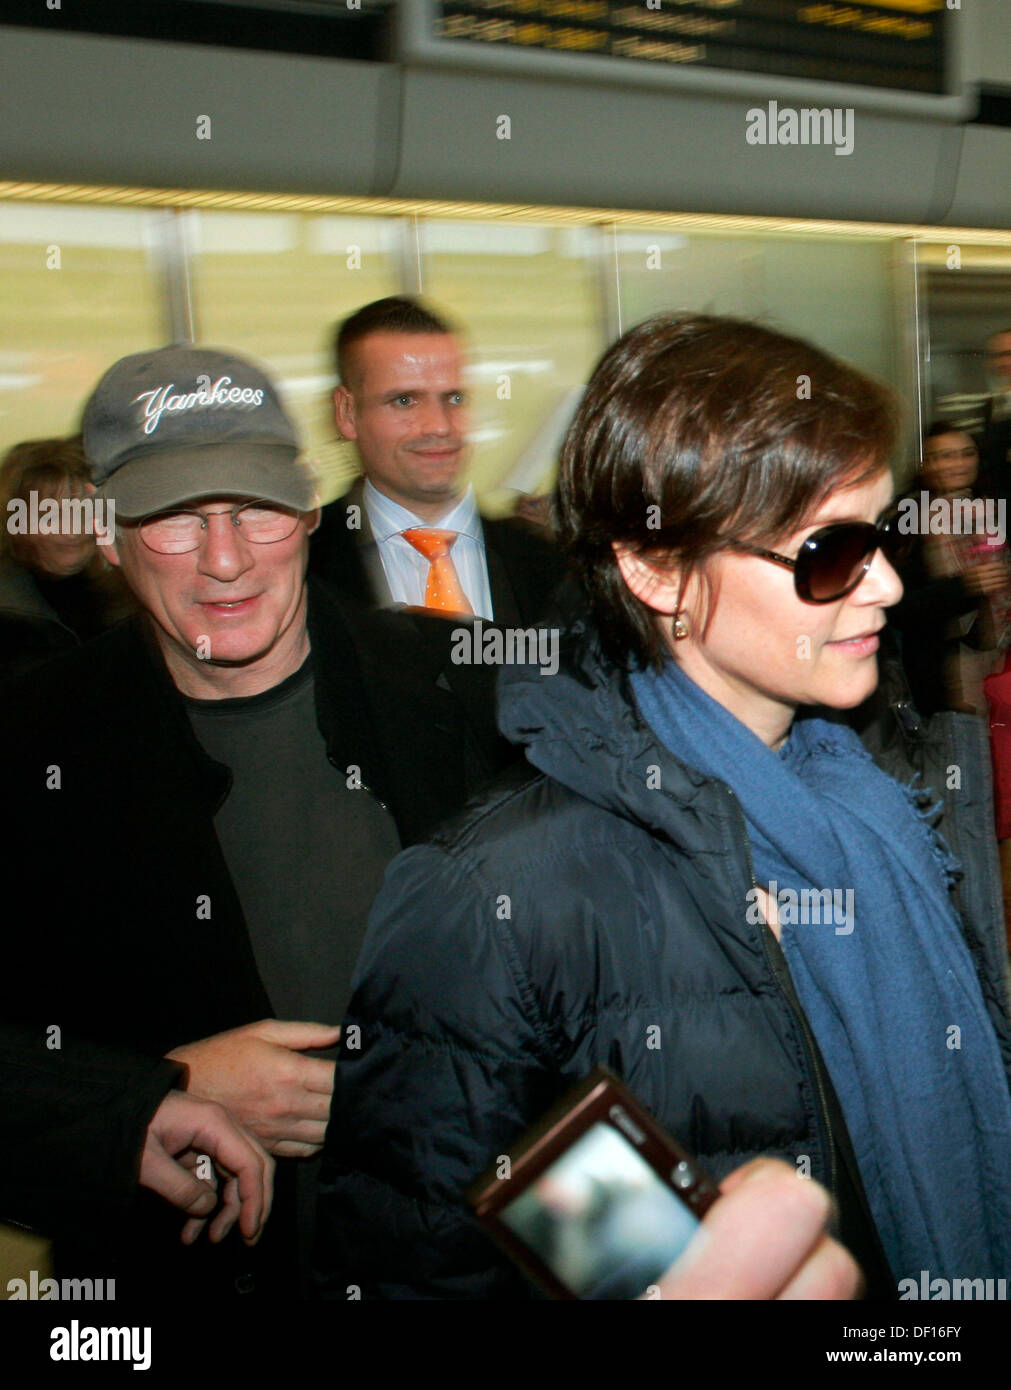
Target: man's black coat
[(72, 1128), (112, 840)]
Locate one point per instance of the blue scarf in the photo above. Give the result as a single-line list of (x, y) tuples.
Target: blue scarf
[(889, 989)]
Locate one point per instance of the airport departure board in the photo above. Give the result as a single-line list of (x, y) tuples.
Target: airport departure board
[(891, 44)]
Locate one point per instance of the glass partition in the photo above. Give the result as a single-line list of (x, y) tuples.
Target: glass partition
[(79, 287), (536, 300), (526, 297), (967, 298), (834, 290), (274, 285)]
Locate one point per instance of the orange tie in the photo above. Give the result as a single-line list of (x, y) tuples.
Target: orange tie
[(443, 590)]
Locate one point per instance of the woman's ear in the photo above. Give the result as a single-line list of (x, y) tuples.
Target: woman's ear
[(658, 588)]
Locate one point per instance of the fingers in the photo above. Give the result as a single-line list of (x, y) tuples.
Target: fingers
[(287, 1148), (231, 1207), (757, 1240), (170, 1179), (830, 1273), (758, 1167), (317, 1076), (295, 1132), (249, 1169), (191, 1230), (311, 1107), (295, 1035), (190, 1127), (986, 578)]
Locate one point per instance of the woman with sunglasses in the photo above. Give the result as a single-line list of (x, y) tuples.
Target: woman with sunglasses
[(783, 933), (955, 614)]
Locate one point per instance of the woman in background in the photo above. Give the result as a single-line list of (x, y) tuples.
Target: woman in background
[(954, 615), (55, 589)]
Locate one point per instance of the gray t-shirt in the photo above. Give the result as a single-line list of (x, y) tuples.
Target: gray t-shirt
[(305, 851)]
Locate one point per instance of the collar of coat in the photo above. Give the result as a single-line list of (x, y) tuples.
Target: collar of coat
[(147, 700), (582, 727)]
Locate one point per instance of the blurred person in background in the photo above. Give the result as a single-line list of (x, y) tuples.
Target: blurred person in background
[(955, 613), (56, 588), (995, 438), (408, 531), (714, 746)]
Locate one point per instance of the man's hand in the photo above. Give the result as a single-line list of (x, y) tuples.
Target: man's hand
[(764, 1239), (256, 1072), (182, 1130)]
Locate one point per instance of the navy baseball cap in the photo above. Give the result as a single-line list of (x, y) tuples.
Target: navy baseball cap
[(174, 424)]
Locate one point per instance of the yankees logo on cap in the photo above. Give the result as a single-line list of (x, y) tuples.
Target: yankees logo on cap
[(178, 423)]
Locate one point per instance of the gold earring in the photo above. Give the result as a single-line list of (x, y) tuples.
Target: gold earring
[(680, 629)]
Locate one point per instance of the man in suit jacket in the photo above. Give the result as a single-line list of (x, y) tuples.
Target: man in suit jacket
[(401, 399)]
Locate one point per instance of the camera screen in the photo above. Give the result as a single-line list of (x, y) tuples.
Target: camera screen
[(602, 1219)]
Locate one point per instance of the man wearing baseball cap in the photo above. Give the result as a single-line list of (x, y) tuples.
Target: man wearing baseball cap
[(207, 795)]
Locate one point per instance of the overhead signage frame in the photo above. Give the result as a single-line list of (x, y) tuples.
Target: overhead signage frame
[(902, 57)]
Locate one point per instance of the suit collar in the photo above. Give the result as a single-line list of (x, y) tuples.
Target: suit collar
[(388, 518), (355, 497)]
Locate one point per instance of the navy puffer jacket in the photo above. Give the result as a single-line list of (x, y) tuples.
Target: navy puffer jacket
[(587, 915)]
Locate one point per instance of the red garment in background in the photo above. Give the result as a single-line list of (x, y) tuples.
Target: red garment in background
[(997, 689)]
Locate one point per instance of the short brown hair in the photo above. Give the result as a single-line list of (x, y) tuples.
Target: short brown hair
[(43, 466), (694, 430), (396, 314), (938, 427)]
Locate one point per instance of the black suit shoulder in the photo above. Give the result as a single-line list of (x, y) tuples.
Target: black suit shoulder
[(520, 543), (335, 554), (533, 565)]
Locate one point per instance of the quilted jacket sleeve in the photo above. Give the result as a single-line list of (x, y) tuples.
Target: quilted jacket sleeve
[(450, 1066)]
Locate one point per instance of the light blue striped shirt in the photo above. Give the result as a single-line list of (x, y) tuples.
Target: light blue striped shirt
[(406, 569)]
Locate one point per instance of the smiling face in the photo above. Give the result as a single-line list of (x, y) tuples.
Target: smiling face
[(64, 552), (405, 407), (240, 603), (765, 651), (950, 461)]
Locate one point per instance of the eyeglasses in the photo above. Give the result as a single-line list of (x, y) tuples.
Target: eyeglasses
[(832, 561), (178, 532)]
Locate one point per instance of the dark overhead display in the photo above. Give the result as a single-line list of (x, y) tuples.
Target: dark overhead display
[(322, 28), (894, 44)]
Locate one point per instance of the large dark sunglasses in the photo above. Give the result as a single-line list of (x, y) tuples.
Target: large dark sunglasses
[(831, 562)]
